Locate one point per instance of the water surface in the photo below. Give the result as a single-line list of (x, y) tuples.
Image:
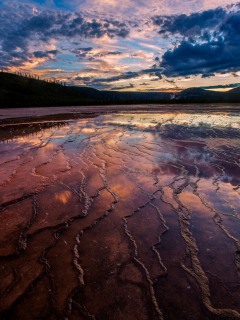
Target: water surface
[(127, 216)]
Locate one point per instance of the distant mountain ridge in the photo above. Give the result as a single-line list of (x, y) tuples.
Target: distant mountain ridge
[(120, 95), (199, 93), (187, 95), (19, 91)]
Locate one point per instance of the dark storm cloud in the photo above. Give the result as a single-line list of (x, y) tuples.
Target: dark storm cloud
[(114, 53), (44, 54), (16, 58), (123, 87), (40, 54), (105, 82), (129, 75), (231, 26), (123, 32), (133, 24), (87, 29), (114, 23), (53, 52), (210, 57), (213, 46), (19, 26), (189, 24), (158, 74), (13, 59), (105, 54), (232, 85), (123, 76), (207, 75), (86, 79), (86, 49), (81, 52)]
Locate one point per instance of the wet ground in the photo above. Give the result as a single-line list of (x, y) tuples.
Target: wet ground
[(127, 216)]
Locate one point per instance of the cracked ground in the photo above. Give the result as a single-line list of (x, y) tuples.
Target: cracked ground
[(125, 216)]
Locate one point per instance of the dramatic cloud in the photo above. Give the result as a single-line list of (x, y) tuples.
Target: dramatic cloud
[(86, 49), (189, 25), (128, 75), (208, 75), (105, 82), (114, 53), (210, 43), (21, 27), (232, 85), (129, 45), (136, 8), (131, 86), (44, 54)]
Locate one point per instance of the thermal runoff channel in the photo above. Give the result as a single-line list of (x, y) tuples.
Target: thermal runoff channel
[(127, 216)]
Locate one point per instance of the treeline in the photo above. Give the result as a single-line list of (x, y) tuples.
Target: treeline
[(19, 91), (36, 77)]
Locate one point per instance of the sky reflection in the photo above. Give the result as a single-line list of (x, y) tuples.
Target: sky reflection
[(123, 210)]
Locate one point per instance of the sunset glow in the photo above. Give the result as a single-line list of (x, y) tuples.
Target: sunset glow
[(124, 45)]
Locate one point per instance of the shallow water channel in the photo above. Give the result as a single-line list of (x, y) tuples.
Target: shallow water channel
[(126, 216)]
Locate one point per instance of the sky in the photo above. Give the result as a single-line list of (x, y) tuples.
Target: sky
[(124, 45)]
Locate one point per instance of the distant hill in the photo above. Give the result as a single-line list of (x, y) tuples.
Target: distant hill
[(200, 94), (234, 91), (19, 91), (232, 95), (120, 95)]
